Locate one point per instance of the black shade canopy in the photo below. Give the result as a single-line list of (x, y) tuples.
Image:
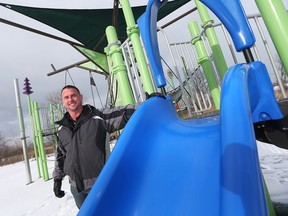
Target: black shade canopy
[(88, 25)]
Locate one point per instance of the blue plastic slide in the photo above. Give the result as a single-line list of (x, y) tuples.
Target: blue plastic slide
[(163, 165), (166, 166)]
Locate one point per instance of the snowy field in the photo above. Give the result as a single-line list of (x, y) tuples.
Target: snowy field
[(37, 199)]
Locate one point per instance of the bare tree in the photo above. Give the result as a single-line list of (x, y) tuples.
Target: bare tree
[(54, 98), (16, 148), (3, 146), (3, 140)]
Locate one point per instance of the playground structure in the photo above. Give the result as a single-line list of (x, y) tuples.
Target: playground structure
[(203, 171), (184, 63), (193, 61), (188, 83), (186, 58), (184, 166)]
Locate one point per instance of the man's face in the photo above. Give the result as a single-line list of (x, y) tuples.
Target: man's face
[(72, 99)]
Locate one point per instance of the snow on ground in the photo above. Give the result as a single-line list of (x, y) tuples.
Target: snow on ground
[(274, 165), (18, 198), (37, 199)]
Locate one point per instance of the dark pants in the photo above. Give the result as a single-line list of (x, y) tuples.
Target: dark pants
[(79, 197)]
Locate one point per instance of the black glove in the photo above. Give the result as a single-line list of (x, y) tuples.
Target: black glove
[(154, 94), (57, 189)]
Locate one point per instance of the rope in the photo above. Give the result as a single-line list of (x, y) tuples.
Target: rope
[(67, 72), (92, 83)]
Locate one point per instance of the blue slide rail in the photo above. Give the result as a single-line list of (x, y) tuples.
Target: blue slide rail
[(164, 165), (232, 15)]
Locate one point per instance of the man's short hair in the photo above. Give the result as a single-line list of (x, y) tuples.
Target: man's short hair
[(70, 86)]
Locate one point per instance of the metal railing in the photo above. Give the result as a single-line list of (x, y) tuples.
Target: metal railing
[(263, 50), (185, 78)]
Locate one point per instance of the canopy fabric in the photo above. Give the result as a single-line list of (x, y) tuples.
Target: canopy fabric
[(88, 25)]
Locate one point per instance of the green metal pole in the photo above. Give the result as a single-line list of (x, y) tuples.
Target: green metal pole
[(33, 135), (203, 59), (36, 137), (41, 142), (53, 124), (119, 68), (212, 38), (134, 35), (60, 113), (275, 17)]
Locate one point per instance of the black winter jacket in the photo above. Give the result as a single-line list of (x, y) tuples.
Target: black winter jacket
[(81, 150)]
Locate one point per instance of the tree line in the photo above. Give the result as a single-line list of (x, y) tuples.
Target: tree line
[(11, 147)]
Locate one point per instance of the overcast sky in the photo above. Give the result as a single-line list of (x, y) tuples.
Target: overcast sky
[(25, 54)]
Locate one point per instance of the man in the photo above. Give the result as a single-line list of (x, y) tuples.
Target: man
[(82, 137)]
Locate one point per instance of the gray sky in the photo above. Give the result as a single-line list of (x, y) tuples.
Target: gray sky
[(25, 54)]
